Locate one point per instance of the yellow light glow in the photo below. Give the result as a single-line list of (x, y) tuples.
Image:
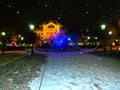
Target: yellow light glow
[(110, 32), (46, 31), (3, 33), (32, 27), (113, 44), (22, 38), (103, 26), (116, 40)]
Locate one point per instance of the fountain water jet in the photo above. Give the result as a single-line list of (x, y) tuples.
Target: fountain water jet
[(62, 41)]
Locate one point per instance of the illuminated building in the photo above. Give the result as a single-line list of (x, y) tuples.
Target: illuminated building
[(47, 30)]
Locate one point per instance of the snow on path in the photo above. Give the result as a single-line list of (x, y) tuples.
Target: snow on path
[(76, 71)]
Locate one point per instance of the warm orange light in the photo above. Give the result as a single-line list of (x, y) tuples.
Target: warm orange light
[(48, 30)]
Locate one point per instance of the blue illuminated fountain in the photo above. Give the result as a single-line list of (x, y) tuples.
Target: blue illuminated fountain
[(61, 42)]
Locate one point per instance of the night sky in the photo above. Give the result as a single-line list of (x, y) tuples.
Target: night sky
[(82, 16)]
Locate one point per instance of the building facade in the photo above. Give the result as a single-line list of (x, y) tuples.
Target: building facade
[(46, 31)]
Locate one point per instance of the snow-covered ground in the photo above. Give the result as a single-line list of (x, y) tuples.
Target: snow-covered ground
[(80, 71), (76, 71)]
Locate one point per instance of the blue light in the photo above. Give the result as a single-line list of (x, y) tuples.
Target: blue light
[(61, 41), (69, 39)]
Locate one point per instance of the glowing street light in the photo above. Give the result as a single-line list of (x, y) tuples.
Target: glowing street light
[(103, 27), (116, 40), (31, 26), (3, 33), (22, 38), (110, 33), (3, 41), (88, 38)]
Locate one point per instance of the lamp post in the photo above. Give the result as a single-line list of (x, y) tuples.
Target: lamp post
[(103, 27), (110, 33), (3, 42), (88, 38), (31, 26)]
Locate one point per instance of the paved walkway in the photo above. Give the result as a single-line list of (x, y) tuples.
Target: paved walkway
[(77, 71)]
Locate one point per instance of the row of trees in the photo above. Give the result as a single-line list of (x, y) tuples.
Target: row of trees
[(14, 38)]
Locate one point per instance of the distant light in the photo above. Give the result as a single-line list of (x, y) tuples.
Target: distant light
[(70, 44), (59, 18), (80, 52), (119, 48), (32, 27), (69, 39), (117, 40), (110, 32), (22, 38), (103, 26), (9, 5), (88, 37), (3, 33), (113, 43), (44, 41), (87, 30), (19, 35), (96, 38), (18, 12), (80, 43), (46, 5), (86, 12)]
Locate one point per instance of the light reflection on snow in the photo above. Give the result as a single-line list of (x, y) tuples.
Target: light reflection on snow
[(72, 71), (35, 83)]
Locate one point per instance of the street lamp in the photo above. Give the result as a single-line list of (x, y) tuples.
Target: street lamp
[(116, 40), (88, 38), (116, 43), (103, 27), (3, 34), (110, 33), (31, 26), (3, 41), (22, 38)]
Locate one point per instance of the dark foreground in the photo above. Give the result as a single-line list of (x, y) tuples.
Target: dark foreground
[(17, 70)]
